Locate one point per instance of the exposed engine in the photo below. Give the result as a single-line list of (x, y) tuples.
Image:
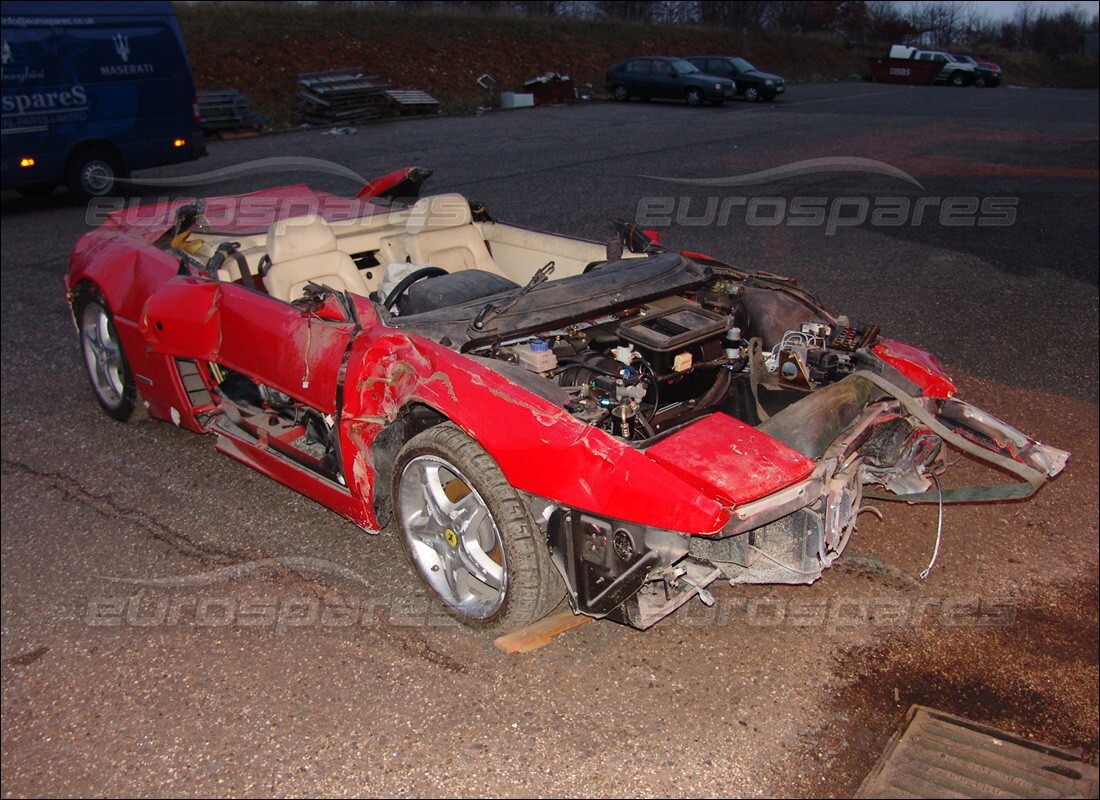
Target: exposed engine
[(637, 373)]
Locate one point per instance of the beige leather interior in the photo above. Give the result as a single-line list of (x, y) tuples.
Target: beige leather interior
[(303, 250), (439, 232)]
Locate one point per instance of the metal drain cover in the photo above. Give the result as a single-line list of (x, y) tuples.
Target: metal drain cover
[(940, 755)]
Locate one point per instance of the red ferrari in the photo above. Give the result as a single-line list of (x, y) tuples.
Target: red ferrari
[(539, 416)]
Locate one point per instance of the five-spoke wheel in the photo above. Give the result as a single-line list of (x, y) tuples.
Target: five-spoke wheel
[(108, 370), (469, 534)]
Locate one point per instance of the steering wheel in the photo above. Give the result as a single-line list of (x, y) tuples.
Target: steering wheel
[(404, 284)]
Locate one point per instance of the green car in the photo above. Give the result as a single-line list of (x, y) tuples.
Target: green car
[(752, 84), (648, 77)]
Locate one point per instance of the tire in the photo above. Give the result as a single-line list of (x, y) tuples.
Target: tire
[(695, 97), (958, 78), (752, 94), (37, 189), (980, 81), (93, 172), (495, 574), (105, 361), (622, 94)]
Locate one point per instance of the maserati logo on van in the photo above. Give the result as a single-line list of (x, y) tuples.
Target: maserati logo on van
[(122, 47), (125, 69)]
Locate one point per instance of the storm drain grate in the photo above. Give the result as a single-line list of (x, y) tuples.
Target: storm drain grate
[(940, 755)]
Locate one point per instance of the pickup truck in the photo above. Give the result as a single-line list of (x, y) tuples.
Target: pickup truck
[(955, 70)]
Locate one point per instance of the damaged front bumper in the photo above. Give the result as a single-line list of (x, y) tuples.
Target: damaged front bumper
[(892, 442)]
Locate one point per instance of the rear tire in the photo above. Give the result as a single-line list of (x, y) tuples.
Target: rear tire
[(958, 79), (695, 97), (93, 172), (36, 189)]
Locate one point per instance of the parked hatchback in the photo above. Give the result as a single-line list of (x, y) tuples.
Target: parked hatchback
[(752, 84), (649, 77)]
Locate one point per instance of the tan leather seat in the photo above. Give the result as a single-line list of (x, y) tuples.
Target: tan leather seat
[(303, 250), (440, 233)]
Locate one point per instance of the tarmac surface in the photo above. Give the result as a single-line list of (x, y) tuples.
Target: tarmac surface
[(301, 656)]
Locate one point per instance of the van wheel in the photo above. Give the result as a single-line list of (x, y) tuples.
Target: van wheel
[(93, 173), (36, 189)]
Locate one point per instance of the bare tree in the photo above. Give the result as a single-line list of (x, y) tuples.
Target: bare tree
[(939, 22), (627, 10), (1025, 14), (745, 16)]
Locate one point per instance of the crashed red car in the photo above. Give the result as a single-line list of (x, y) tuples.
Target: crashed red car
[(538, 415)]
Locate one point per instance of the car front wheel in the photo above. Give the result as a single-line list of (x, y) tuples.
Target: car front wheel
[(752, 94), (105, 362), (621, 93), (469, 534)]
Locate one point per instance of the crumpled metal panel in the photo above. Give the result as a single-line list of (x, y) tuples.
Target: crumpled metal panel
[(940, 755)]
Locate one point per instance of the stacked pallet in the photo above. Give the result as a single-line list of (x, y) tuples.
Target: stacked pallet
[(227, 110), (412, 101), (340, 97)]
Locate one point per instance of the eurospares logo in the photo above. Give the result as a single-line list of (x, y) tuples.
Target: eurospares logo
[(830, 213)]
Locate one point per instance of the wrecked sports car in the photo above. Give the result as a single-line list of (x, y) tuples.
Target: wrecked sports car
[(539, 416)]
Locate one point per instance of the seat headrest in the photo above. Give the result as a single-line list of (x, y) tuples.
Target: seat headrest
[(438, 211), (298, 237)]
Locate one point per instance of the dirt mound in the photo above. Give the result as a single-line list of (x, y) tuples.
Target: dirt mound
[(260, 48)]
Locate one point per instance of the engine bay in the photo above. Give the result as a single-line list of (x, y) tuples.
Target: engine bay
[(641, 371)]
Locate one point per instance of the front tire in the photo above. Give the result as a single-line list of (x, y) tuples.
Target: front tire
[(752, 94), (469, 535), (105, 361), (622, 94)]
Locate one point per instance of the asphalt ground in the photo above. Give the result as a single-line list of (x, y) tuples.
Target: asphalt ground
[(301, 656)]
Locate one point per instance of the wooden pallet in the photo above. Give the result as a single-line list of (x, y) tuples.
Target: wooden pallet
[(227, 110), (412, 101)]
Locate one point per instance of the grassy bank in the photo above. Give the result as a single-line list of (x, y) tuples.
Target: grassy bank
[(260, 48)]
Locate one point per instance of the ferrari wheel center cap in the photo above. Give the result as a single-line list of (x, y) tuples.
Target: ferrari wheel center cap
[(451, 537)]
